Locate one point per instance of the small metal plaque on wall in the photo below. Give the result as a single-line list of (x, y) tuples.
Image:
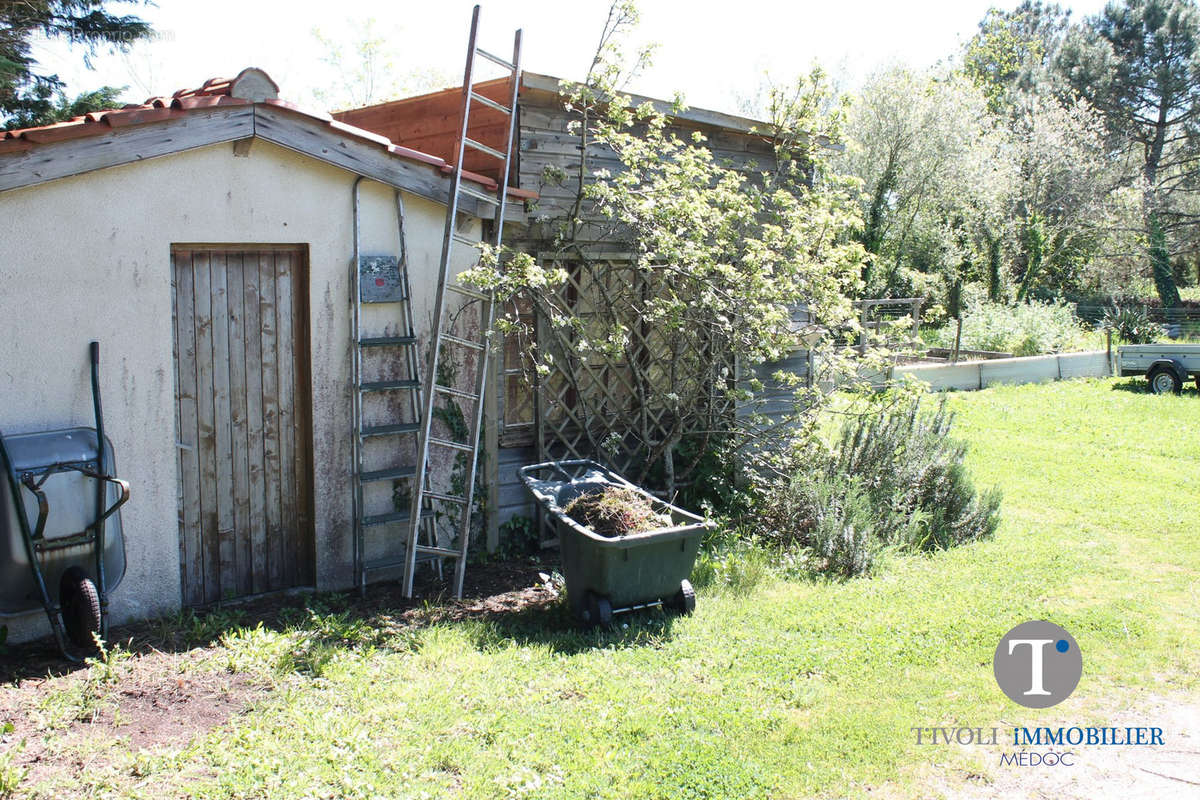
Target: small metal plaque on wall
[(379, 279)]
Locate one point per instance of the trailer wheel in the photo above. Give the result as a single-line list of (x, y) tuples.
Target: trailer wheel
[(1164, 381), (80, 607), (599, 610), (685, 599)]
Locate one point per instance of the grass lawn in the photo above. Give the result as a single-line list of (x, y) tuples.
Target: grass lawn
[(784, 688)]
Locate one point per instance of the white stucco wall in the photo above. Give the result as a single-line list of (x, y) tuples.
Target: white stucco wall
[(89, 258)]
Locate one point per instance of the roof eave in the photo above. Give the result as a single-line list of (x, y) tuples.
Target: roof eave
[(352, 149)]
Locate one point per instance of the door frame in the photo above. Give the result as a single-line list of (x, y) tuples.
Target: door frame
[(305, 535)]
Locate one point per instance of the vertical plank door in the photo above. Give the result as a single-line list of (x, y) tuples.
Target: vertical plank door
[(242, 409)]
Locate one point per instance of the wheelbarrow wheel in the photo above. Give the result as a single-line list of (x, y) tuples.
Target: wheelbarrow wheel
[(685, 599), (80, 604), (599, 610)]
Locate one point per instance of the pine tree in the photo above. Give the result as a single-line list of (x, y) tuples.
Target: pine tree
[(29, 96), (1138, 64)]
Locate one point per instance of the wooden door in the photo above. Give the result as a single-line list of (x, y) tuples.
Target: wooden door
[(241, 361)]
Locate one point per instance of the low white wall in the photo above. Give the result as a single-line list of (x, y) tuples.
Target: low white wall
[(969, 375)]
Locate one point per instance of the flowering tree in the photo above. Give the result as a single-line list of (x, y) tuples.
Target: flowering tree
[(716, 262)]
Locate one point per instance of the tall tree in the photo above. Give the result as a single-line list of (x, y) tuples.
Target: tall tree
[(928, 154), (29, 96), (1013, 50), (717, 262), (1137, 64), (1063, 203), (364, 67)]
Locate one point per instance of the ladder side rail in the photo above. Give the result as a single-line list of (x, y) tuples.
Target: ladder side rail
[(360, 572)]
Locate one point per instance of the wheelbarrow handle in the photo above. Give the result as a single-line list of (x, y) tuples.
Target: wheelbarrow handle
[(123, 487)]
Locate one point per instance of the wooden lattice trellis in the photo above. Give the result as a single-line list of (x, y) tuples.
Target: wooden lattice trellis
[(629, 408)]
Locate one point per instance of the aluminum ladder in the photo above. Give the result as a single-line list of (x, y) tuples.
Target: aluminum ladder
[(428, 491), (383, 280)]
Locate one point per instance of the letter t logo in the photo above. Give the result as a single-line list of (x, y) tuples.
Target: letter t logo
[(1036, 647)]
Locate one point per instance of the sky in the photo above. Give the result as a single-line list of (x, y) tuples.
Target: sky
[(715, 54)]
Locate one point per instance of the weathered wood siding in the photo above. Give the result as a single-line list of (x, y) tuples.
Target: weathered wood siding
[(512, 499), (547, 147)]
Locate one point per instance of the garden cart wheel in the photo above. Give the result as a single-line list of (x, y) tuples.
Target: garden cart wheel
[(80, 607), (685, 599), (599, 610), (1164, 381)]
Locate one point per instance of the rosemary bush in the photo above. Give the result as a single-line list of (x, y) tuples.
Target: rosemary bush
[(892, 479)]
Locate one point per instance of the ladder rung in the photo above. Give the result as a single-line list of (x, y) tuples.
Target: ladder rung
[(485, 198), (458, 340), (450, 498), (390, 430), (394, 516), (387, 474), (466, 448), (464, 290), (483, 148), (490, 103), (437, 551), (437, 387), (495, 59), (384, 341), (383, 386), (458, 237), (390, 563)]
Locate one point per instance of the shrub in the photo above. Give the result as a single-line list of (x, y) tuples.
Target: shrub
[(910, 466), (1131, 324), (733, 562), (1025, 329), (895, 478), (843, 525)]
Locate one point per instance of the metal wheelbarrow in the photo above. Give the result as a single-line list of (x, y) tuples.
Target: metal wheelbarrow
[(611, 575), (59, 521)]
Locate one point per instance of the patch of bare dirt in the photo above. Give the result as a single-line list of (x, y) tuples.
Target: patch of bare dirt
[(158, 693), (150, 702), (489, 589)]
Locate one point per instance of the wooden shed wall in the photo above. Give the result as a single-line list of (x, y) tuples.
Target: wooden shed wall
[(546, 142)]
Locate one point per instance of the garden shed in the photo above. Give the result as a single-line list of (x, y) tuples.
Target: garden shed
[(551, 420), (206, 240)]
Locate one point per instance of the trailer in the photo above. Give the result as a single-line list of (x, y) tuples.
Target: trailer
[(1166, 366)]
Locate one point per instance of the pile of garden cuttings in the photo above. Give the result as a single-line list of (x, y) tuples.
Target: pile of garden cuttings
[(616, 511)]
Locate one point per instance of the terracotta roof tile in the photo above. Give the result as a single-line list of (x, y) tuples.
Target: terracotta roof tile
[(207, 101), (136, 116), (361, 133), (212, 93), (14, 146), (416, 155)]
